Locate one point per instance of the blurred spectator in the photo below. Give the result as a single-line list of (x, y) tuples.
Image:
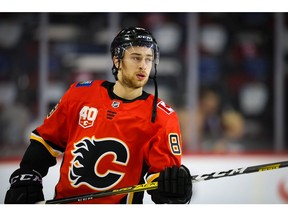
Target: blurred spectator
[(208, 114), (216, 128), (206, 118), (231, 137)]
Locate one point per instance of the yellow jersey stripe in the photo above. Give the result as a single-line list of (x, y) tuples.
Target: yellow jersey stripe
[(152, 177), (52, 151), (130, 198)]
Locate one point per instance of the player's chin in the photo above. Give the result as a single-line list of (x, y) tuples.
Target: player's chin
[(140, 83)]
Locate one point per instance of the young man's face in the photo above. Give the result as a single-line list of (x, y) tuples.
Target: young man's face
[(136, 66)]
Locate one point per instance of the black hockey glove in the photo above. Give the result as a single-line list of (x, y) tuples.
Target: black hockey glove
[(25, 187), (174, 186)]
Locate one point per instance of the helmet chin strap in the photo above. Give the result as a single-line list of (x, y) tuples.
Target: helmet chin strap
[(154, 109)]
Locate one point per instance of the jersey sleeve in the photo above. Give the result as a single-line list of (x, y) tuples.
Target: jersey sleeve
[(166, 148), (53, 133)]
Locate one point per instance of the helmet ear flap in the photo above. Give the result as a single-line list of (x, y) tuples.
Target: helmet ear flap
[(119, 52), (157, 55), (115, 72)]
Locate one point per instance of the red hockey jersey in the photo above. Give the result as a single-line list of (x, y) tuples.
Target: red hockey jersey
[(108, 142)]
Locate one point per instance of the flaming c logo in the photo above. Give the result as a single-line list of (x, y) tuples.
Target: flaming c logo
[(88, 154)]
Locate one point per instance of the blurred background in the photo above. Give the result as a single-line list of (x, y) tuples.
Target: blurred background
[(224, 73)]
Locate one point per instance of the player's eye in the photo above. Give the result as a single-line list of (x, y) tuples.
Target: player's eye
[(136, 58), (148, 60)]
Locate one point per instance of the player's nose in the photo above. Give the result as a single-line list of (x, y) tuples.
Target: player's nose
[(142, 64)]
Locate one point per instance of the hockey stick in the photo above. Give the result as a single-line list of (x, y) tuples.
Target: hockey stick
[(154, 185)]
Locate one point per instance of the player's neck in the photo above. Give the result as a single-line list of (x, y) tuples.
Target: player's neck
[(126, 92)]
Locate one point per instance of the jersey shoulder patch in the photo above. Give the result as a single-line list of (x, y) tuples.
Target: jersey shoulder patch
[(84, 83), (166, 108)]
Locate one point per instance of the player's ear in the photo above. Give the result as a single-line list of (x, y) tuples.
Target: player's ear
[(116, 62)]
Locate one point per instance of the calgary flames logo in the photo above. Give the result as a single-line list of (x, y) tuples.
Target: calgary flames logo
[(97, 163)]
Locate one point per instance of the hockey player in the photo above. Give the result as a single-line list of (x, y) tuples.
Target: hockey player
[(111, 135)]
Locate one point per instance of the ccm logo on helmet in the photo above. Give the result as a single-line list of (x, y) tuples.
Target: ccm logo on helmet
[(145, 37)]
